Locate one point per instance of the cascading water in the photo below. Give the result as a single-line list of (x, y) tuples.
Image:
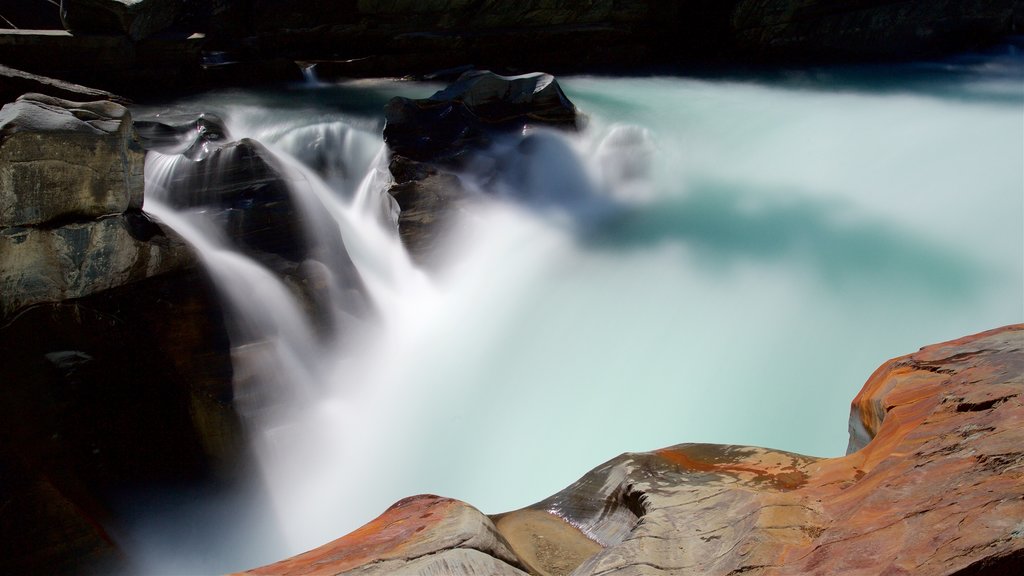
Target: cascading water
[(719, 261)]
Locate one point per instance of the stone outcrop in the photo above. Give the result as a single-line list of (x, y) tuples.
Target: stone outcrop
[(63, 160), (429, 137), (933, 485), (70, 204), (116, 373)]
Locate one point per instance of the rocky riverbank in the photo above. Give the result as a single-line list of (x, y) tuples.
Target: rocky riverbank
[(153, 48), (933, 484)]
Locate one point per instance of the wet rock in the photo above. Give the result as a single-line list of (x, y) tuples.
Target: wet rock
[(63, 160), (429, 137), (244, 189), (464, 114), (934, 484), (81, 258), (429, 199), (135, 18)]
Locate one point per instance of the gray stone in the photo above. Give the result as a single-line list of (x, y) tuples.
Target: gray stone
[(63, 160), (54, 264)]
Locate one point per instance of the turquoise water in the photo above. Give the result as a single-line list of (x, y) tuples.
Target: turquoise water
[(711, 260)]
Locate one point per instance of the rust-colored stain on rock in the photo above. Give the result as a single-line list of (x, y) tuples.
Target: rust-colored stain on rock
[(385, 536)]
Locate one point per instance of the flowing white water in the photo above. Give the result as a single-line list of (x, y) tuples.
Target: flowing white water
[(708, 261)]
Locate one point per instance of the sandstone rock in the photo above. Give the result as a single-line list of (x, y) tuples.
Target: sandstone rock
[(418, 535), (935, 488), (135, 18), (62, 160)]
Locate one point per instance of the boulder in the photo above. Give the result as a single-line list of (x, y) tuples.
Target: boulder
[(62, 160), (135, 18), (428, 136), (464, 114), (933, 485)]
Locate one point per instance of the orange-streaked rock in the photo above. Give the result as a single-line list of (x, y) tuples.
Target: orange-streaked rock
[(419, 533), (933, 485)]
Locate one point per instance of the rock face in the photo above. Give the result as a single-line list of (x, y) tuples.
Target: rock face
[(61, 160), (116, 374), (934, 485), (70, 199), (468, 111), (429, 137)]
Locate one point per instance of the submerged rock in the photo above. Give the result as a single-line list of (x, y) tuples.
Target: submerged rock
[(934, 484)]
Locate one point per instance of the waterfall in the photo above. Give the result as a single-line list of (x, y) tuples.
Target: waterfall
[(708, 261)]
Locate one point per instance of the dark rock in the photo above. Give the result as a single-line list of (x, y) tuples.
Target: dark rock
[(16, 82), (62, 160), (828, 31), (248, 189), (429, 200), (463, 115), (135, 18), (428, 136), (30, 15), (124, 391), (195, 138)]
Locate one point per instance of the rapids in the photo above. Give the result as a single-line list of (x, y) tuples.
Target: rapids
[(710, 260)]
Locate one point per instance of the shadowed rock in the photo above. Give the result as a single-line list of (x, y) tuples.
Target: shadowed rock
[(934, 485), (464, 114), (428, 136), (135, 18)]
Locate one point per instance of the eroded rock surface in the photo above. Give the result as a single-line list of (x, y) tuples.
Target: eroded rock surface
[(935, 486)]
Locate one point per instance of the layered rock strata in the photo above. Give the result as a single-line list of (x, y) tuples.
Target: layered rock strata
[(70, 203), (933, 485)]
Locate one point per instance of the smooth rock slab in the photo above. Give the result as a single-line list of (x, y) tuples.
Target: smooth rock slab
[(937, 489), (64, 160)]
